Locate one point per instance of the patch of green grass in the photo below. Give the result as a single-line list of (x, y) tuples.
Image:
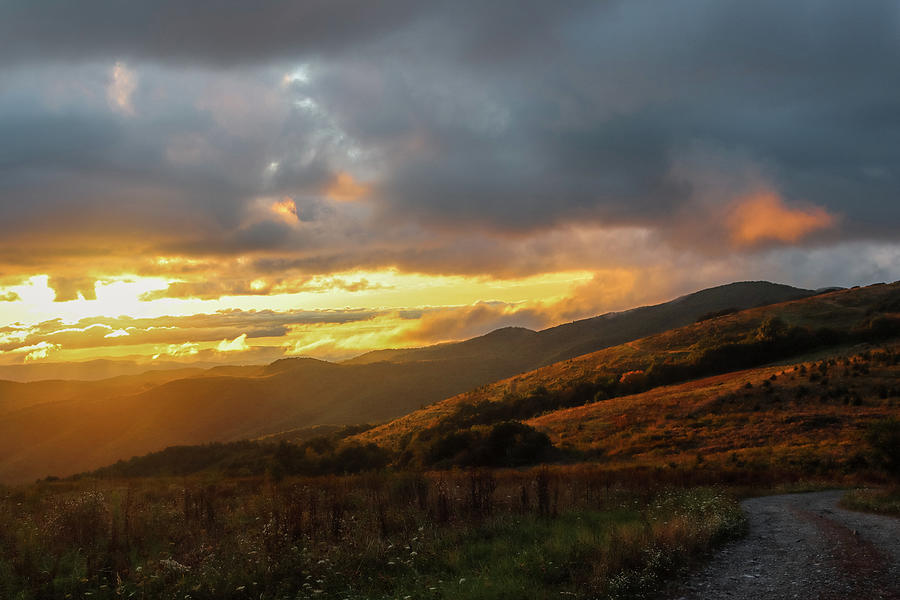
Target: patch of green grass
[(883, 501), (622, 553), (525, 556)]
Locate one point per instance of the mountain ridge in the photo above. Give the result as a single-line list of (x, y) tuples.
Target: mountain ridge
[(741, 294)]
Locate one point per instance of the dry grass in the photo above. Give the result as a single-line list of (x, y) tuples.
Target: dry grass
[(810, 415)]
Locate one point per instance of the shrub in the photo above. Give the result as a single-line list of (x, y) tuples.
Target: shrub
[(884, 438), (506, 444)]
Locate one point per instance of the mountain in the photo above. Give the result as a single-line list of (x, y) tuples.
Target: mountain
[(90, 370), (530, 349), (830, 322), (61, 428)]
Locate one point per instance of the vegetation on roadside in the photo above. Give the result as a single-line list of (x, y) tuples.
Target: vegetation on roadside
[(476, 534), (877, 500), (884, 439)]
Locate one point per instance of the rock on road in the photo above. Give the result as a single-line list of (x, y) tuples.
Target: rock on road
[(803, 546)]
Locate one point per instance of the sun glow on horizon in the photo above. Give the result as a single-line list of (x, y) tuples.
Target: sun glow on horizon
[(395, 310)]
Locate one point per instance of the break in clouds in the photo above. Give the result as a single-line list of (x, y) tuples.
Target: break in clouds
[(705, 140)]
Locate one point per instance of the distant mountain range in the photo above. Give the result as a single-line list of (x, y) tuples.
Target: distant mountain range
[(532, 349), (63, 427), (91, 370)]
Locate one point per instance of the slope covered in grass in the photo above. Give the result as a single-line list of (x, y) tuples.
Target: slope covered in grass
[(811, 416), (825, 323)]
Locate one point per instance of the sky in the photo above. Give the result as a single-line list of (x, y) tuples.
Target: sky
[(238, 182)]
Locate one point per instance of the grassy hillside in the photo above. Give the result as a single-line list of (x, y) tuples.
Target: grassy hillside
[(61, 428), (826, 323), (811, 416)]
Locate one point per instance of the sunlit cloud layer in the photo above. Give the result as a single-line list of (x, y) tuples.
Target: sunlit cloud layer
[(443, 168)]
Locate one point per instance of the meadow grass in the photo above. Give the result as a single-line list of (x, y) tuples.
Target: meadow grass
[(489, 535), (877, 500)]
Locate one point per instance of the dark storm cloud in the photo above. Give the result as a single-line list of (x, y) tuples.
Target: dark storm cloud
[(209, 31), (501, 120)]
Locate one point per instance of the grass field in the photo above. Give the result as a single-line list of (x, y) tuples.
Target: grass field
[(535, 534)]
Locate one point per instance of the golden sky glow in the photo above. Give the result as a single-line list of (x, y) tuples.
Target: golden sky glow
[(397, 309)]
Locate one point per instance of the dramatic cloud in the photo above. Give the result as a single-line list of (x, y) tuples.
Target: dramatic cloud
[(235, 155), (470, 321), (765, 217), (235, 326), (71, 288)]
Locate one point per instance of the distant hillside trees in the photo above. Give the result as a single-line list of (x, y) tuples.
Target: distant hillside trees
[(506, 444), (324, 455)]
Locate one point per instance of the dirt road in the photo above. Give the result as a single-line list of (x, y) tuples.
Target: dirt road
[(803, 546)]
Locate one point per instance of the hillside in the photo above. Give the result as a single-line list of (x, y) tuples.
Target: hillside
[(63, 427), (808, 416), (830, 322)]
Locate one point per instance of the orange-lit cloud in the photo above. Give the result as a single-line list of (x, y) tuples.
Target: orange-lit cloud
[(765, 217), (344, 188), (285, 209), (73, 288), (457, 323)]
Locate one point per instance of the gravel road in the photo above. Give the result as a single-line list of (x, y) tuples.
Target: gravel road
[(803, 546)]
